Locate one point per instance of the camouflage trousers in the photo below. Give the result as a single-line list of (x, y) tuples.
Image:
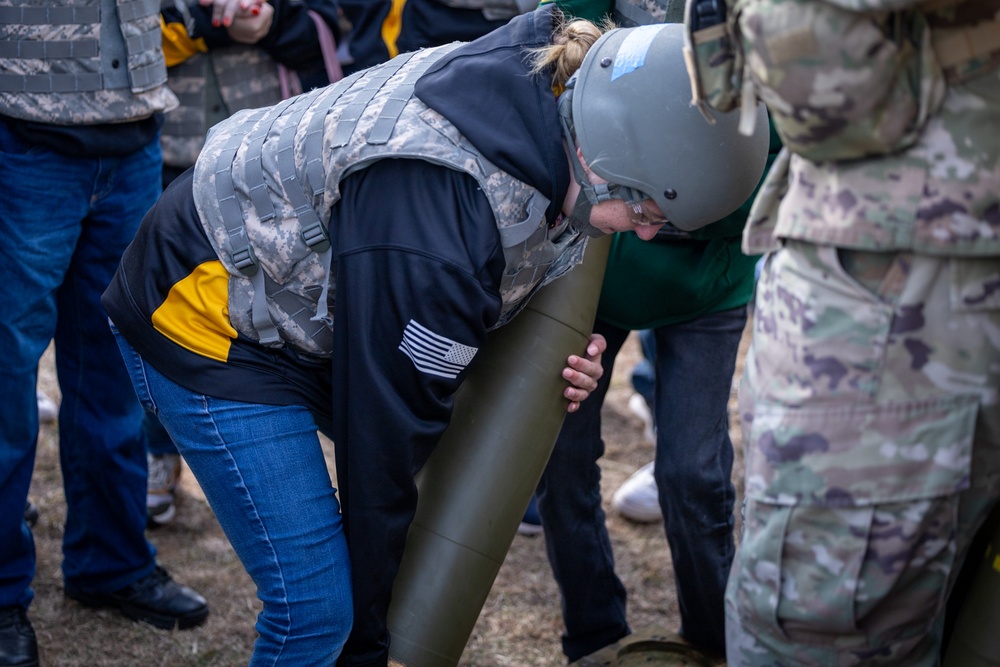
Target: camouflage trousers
[(872, 437)]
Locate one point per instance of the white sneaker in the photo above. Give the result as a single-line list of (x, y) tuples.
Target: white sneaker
[(531, 523), (48, 411), (637, 498), (164, 471), (637, 406)]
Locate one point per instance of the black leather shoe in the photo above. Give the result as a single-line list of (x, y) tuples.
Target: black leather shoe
[(155, 599), (18, 646)]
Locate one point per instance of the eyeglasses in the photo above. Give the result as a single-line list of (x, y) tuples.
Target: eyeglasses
[(640, 218)]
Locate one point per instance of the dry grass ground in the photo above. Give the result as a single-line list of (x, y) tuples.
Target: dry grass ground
[(519, 626)]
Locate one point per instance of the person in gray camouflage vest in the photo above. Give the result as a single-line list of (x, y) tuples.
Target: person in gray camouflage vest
[(870, 399), (337, 260), (82, 97), (215, 71)]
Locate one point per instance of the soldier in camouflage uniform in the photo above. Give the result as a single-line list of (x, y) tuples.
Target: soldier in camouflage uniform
[(336, 261), (870, 400), (82, 93)]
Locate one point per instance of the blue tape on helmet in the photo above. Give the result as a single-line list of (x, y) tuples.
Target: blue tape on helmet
[(632, 52)]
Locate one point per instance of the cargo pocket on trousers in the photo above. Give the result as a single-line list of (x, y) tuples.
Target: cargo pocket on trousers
[(850, 518)]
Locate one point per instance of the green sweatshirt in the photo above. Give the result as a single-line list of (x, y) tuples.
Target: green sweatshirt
[(665, 281)]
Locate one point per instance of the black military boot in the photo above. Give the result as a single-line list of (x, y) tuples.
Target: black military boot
[(155, 599), (18, 646)]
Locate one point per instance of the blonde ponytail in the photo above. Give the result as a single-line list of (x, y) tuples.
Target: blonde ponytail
[(570, 42)]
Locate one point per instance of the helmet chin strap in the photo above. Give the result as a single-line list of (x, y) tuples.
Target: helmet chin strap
[(580, 218), (590, 194)]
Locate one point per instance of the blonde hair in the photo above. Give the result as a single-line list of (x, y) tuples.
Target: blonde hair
[(570, 42)]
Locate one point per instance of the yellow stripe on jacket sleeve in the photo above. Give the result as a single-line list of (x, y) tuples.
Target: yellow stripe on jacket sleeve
[(195, 314), (177, 45), (392, 26)]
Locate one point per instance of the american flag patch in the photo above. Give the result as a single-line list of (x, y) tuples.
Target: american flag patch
[(435, 354)]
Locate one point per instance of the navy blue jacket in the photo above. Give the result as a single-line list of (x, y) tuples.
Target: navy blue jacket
[(422, 23)]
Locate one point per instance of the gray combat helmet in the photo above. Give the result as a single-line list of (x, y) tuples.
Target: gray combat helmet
[(635, 125)]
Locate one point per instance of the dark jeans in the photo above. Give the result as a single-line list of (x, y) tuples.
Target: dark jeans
[(695, 361), (644, 372), (65, 223)]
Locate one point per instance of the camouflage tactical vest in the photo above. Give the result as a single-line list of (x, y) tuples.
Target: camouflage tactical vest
[(267, 180), (85, 62), (211, 87)]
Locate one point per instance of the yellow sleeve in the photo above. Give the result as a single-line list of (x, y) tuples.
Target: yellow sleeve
[(392, 26), (177, 45)]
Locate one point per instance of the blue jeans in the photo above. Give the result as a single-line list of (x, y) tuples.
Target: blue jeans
[(65, 223), (695, 362), (262, 470)]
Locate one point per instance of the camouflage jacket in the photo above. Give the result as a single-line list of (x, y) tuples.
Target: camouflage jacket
[(212, 86), (267, 180), (939, 193), (85, 62)]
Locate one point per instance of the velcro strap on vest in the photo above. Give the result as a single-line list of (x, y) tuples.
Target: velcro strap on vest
[(138, 9), (145, 41), (955, 47), (229, 208), (50, 15), (56, 49), (317, 329), (50, 83), (24, 48), (313, 159), (262, 322), (515, 235), (313, 232), (253, 168), (349, 118), (393, 107), (146, 77)]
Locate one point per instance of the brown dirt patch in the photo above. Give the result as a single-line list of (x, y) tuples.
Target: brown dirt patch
[(519, 626)]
